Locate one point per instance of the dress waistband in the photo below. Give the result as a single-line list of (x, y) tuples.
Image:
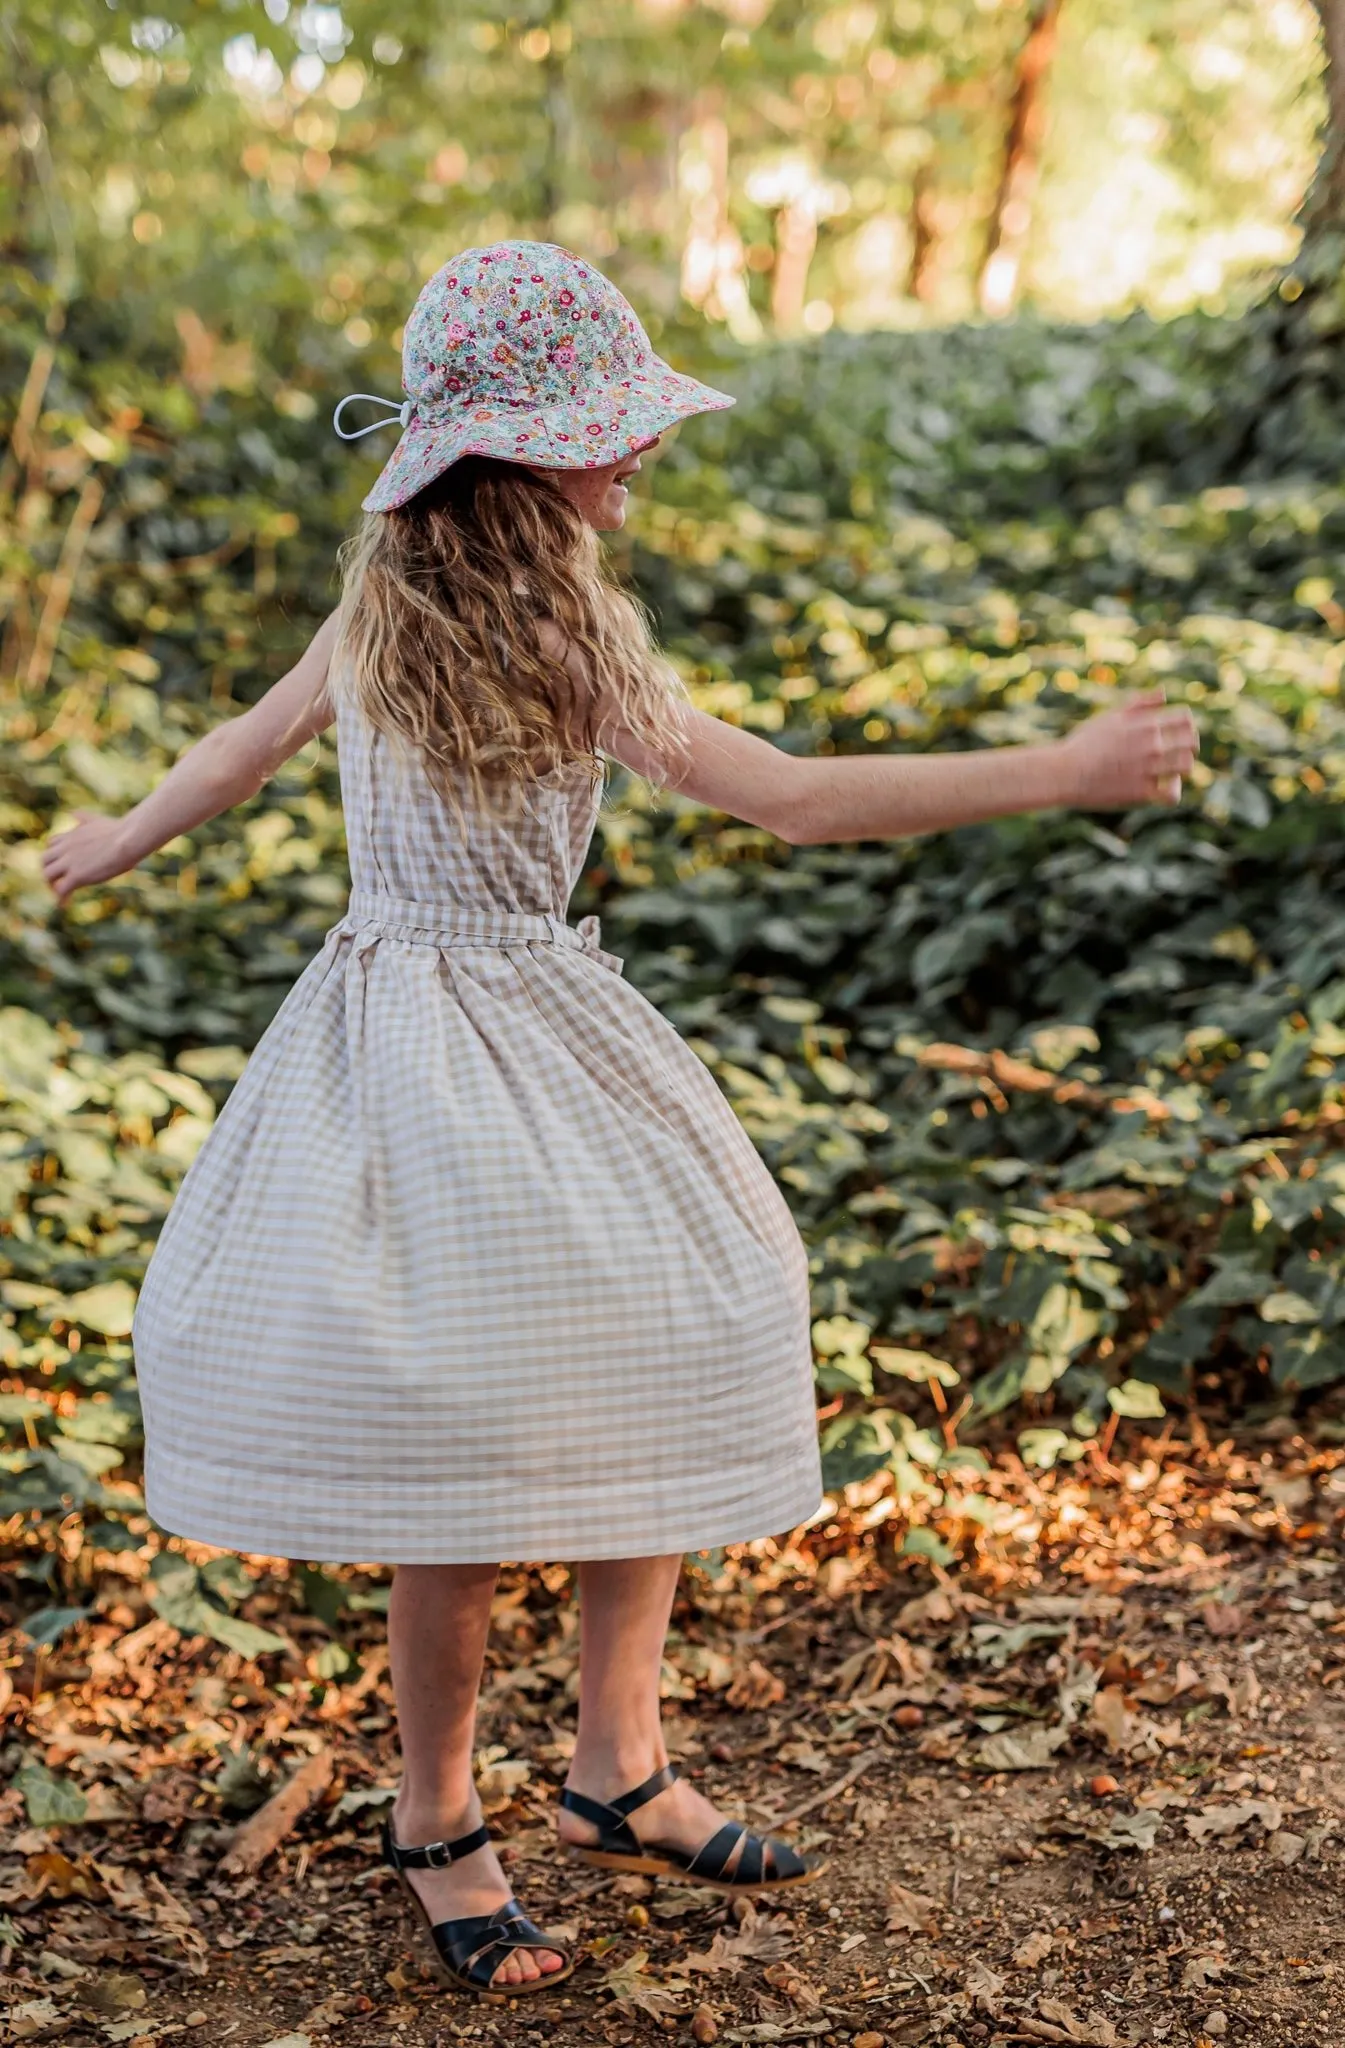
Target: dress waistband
[(435, 924)]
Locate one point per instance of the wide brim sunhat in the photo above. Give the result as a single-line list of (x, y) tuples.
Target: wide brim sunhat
[(527, 353)]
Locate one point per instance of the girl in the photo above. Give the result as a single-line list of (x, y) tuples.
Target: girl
[(477, 1263)]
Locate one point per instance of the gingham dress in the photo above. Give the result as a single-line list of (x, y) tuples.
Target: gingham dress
[(477, 1263)]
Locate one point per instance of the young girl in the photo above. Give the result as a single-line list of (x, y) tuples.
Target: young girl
[(477, 1263)]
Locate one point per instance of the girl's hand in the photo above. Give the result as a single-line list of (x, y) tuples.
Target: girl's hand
[(1137, 754), (92, 851)]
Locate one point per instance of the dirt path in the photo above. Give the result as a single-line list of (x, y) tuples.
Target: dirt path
[(1086, 1793)]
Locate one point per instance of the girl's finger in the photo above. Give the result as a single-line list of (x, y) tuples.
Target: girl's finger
[(1145, 700)]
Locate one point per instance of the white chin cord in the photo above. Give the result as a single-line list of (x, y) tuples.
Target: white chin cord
[(399, 413)]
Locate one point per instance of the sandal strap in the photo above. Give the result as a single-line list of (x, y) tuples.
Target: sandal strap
[(657, 1781), (762, 1859), (432, 1855), (609, 1816), (711, 1859), (475, 1946)]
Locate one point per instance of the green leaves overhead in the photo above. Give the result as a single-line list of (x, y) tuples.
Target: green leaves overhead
[(1056, 1101)]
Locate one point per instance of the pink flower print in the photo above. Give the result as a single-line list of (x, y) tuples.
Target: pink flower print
[(536, 277), (562, 437), (564, 298), (454, 384), (595, 316), (457, 330), (564, 355), (524, 315), (594, 428)]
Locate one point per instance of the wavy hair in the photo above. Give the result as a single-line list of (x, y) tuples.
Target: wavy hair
[(479, 625)]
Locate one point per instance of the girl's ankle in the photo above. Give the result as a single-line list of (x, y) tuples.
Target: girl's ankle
[(606, 1772), (415, 1823)]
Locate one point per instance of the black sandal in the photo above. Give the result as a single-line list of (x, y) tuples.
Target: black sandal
[(468, 1952), (764, 1864)]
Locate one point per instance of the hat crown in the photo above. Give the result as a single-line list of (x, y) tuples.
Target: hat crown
[(518, 323)]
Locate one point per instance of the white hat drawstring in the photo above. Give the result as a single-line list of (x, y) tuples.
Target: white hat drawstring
[(399, 412)]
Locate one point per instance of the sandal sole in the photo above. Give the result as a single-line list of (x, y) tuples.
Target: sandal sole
[(450, 1979), (658, 1866)]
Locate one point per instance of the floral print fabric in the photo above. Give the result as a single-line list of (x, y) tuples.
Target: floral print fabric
[(525, 352)]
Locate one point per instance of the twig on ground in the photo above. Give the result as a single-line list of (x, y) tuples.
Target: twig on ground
[(267, 1828), (828, 1792)]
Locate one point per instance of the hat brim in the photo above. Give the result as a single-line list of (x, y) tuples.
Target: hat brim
[(600, 429)]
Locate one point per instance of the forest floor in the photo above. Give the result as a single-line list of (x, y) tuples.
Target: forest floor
[(1086, 1787)]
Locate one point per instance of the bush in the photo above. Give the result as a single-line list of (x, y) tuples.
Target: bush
[(1056, 1101)]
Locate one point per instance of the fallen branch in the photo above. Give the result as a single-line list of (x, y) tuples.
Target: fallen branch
[(828, 1792), (267, 1828)]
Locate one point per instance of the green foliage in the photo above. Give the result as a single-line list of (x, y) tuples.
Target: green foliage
[(1056, 1101)]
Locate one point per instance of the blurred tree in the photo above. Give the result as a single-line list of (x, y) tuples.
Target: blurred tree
[(1011, 214), (1324, 207)]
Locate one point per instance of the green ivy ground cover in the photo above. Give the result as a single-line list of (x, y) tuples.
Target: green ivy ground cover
[(1057, 1102)]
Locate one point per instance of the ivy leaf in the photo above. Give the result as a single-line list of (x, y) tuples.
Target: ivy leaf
[(50, 1801)]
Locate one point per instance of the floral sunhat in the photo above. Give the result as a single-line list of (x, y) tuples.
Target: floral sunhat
[(527, 353)]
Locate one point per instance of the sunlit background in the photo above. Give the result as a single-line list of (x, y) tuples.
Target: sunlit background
[(777, 169)]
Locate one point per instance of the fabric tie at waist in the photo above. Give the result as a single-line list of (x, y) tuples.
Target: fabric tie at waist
[(431, 924)]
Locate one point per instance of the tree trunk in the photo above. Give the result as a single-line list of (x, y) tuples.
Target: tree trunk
[(920, 279), (1324, 206), (1011, 218), (795, 242), (559, 114)]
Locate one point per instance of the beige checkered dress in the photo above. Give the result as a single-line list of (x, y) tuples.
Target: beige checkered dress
[(477, 1263)]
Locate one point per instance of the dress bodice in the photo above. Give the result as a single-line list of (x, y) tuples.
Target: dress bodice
[(405, 841)]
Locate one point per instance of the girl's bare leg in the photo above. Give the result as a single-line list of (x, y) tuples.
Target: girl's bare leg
[(624, 1607), (438, 1621)]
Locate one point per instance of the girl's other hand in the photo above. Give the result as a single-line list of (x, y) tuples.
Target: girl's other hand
[(1137, 754), (92, 851)]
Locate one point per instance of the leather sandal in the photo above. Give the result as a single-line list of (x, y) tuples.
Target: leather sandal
[(468, 1952), (763, 1865)]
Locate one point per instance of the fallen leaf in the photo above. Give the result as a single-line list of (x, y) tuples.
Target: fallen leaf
[(1200, 1972), (332, 2012), (755, 1688), (784, 1978), (499, 1781), (112, 1995), (761, 1936), (1094, 2032), (1031, 1749), (1286, 1847), (51, 1874), (984, 1987), (633, 1990), (1125, 1732), (1128, 1831), (1223, 1618), (51, 1801), (1226, 1820), (1161, 1692), (1290, 1491), (679, 1900), (1033, 1950), (910, 1912), (28, 2022)]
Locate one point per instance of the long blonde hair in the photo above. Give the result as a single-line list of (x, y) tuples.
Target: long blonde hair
[(478, 624)]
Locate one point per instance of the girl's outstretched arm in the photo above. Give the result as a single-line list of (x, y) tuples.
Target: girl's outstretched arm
[(1137, 754), (230, 764)]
